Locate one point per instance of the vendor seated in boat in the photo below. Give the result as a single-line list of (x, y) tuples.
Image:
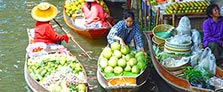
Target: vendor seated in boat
[(125, 31), (213, 32), (95, 16), (44, 32)]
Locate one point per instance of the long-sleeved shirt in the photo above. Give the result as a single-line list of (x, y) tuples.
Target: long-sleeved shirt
[(127, 34), (44, 32), (94, 14), (213, 31)]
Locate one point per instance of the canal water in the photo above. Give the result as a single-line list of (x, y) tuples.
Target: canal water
[(15, 18)]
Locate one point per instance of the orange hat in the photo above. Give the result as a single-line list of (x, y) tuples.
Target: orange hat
[(44, 12)]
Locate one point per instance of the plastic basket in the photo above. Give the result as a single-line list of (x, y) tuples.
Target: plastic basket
[(160, 28)]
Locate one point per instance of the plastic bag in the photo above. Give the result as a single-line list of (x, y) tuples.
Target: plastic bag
[(184, 26), (180, 39), (207, 61), (196, 37)]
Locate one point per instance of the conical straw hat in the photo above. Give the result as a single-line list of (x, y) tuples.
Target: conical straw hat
[(44, 12)]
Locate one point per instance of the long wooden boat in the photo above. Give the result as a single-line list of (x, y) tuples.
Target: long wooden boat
[(91, 33), (179, 84), (34, 84), (123, 83)]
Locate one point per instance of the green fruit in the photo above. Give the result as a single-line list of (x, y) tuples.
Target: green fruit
[(107, 52), (141, 58), (113, 61), (132, 61), (128, 56), (139, 54), (108, 69), (128, 68), (121, 62), (78, 67), (117, 53), (135, 69), (115, 46), (125, 50), (103, 62), (118, 70), (141, 65), (81, 87)]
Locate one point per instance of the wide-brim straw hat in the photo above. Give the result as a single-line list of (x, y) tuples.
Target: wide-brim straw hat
[(90, 0), (44, 12)]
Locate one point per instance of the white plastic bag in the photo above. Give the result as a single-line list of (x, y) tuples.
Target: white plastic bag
[(184, 26), (208, 61), (196, 37)]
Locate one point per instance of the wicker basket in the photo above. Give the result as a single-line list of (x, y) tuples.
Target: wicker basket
[(160, 28)]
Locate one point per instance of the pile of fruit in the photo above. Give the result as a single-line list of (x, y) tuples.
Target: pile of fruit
[(121, 61), (187, 7), (57, 71), (73, 7)]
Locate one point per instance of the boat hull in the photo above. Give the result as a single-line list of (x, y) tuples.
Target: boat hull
[(136, 81), (95, 33), (179, 84)]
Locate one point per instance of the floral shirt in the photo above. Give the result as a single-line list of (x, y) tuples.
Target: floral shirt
[(213, 32), (127, 34)]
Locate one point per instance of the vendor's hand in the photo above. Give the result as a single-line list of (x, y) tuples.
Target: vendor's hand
[(122, 43)]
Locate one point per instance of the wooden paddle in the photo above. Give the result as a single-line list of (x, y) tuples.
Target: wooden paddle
[(72, 38)]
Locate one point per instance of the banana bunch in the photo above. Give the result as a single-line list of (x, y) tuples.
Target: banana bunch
[(187, 7), (73, 7)]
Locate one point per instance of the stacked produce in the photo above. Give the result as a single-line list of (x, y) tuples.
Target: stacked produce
[(187, 7), (121, 61), (73, 7), (58, 72)]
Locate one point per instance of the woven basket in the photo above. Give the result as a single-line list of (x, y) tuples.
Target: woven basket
[(160, 28)]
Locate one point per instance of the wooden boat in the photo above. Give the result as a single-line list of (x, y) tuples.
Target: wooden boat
[(35, 85), (179, 84), (123, 83), (91, 33)]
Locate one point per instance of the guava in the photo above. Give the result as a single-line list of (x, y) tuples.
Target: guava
[(117, 53), (125, 50), (115, 46), (103, 62), (122, 62), (141, 65), (132, 61), (141, 58), (108, 69), (107, 52), (139, 53), (113, 61), (128, 68), (127, 57), (118, 70), (135, 69)]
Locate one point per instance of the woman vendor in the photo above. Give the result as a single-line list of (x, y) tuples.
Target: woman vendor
[(44, 32), (94, 14), (125, 31), (213, 32)]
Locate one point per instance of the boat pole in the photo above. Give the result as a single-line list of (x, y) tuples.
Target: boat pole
[(72, 38)]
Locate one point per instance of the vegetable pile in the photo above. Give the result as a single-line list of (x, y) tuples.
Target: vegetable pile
[(58, 72), (121, 61)]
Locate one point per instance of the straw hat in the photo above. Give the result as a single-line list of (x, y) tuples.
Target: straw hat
[(90, 0), (44, 12)]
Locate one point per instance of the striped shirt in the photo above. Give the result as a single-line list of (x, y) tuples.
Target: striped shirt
[(127, 34)]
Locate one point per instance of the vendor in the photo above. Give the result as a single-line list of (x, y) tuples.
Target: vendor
[(125, 31), (44, 32), (213, 32), (94, 14)]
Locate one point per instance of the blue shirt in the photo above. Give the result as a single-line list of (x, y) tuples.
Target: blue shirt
[(120, 29), (213, 31)]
